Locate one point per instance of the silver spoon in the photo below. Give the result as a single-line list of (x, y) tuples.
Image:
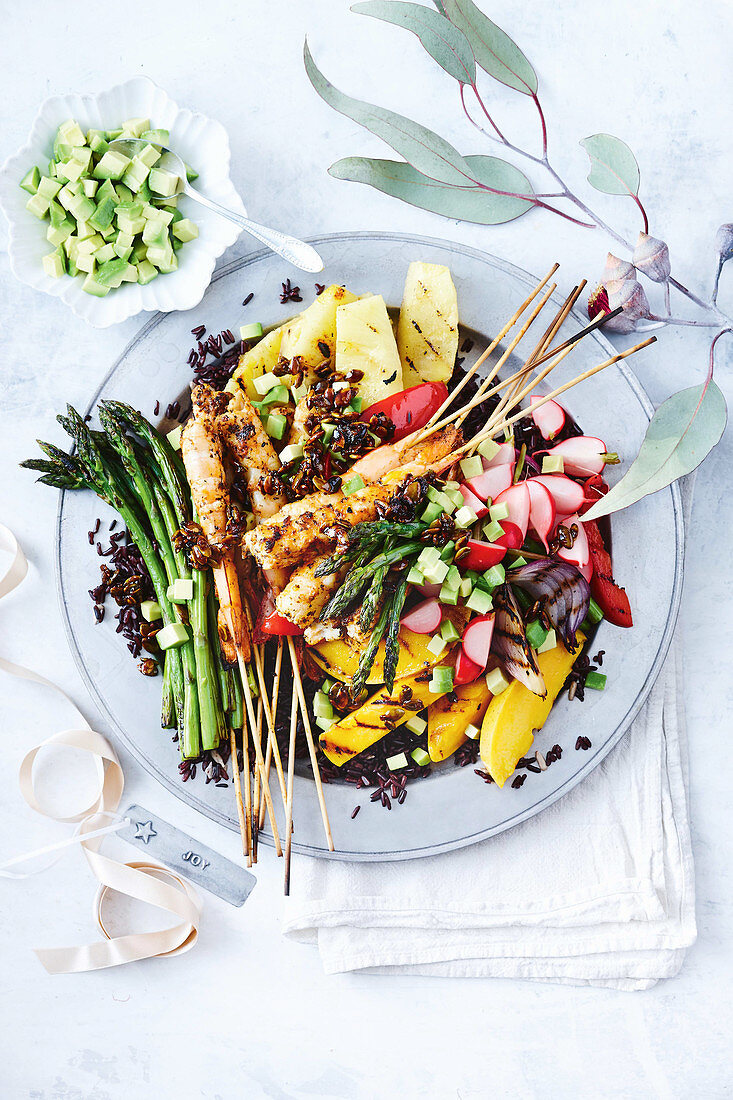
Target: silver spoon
[(290, 248)]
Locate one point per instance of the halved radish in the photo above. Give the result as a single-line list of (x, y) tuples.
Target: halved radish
[(579, 554), (477, 639), (581, 455), (549, 418), (430, 590), (491, 482), (466, 671), (542, 512), (512, 538), (586, 570), (504, 457), (567, 494), (473, 502), (516, 498), (423, 619), (482, 555)]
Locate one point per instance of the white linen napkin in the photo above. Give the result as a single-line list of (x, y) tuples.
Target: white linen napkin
[(596, 890)]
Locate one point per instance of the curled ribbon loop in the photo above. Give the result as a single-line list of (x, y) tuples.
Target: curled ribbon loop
[(146, 881)]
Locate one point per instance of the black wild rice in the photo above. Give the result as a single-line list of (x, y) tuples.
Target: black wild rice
[(320, 287), (248, 299), (583, 743), (290, 293)]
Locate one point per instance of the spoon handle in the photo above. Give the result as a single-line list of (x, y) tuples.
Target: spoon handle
[(290, 248)]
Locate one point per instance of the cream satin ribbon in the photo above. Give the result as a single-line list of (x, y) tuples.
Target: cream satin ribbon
[(148, 882)]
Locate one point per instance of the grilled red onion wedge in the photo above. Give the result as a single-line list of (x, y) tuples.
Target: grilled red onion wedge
[(563, 592)]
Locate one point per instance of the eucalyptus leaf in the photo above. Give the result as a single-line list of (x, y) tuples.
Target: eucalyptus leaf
[(421, 147), (682, 432), (445, 43), (493, 49), (470, 204), (613, 167)]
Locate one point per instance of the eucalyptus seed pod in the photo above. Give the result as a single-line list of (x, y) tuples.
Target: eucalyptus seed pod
[(631, 297), (616, 272), (724, 241), (652, 257)]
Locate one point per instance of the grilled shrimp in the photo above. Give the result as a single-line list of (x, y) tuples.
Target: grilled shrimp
[(305, 595), (417, 457)]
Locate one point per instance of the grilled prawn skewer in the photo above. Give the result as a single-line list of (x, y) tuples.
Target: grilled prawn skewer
[(204, 461)]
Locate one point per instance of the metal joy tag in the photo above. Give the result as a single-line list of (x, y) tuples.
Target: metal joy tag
[(193, 860)]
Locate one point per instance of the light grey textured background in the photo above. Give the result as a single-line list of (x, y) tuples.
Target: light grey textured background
[(246, 1014)]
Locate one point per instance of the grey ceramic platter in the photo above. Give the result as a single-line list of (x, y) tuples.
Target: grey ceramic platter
[(452, 807)]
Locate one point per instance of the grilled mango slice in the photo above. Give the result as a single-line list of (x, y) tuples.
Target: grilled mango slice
[(377, 716), (512, 716), (447, 720)]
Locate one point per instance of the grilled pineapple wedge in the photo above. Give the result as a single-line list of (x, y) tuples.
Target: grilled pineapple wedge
[(365, 341), (427, 333), (312, 334)]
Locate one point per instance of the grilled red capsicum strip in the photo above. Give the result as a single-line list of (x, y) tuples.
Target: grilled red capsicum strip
[(612, 600), (410, 409)]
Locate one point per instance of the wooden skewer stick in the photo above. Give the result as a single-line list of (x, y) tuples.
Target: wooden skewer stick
[(272, 739), (260, 763), (247, 790), (488, 433), (244, 821), (311, 745), (273, 707), (595, 323), (256, 799), (493, 345), (291, 779)]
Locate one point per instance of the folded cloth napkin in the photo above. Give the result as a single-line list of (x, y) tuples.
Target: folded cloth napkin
[(596, 890)]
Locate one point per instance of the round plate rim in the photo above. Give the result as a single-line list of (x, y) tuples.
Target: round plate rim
[(523, 815)]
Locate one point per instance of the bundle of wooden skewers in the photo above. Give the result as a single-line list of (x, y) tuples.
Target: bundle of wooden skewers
[(169, 506)]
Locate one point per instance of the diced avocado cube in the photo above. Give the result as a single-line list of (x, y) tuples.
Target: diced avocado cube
[(122, 245), (596, 680), (448, 596), (151, 610), (53, 265), (326, 723), (275, 425), (448, 631), (129, 225), (496, 681), (56, 213), (71, 170), (549, 643), (473, 732), (124, 193), (67, 195), (265, 383), (455, 496), (83, 156), (106, 190), (493, 530), (106, 252), (90, 244), (144, 192), (191, 173), (436, 574), (129, 275), (112, 135), (352, 485), (453, 579), (415, 575), (437, 645), (173, 635), (498, 512), (155, 234), (112, 166), (466, 587), (176, 245), (110, 234), (104, 214), (278, 395), (148, 156), (94, 136), (166, 263), (480, 601), (156, 137), (185, 230), (420, 757), (472, 466), (49, 187), (428, 558), (134, 127), (399, 760), (31, 180), (495, 575), (553, 464), (180, 590), (109, 271), (85, 262), (488, 448), (38, 205), (162, 182), (448, 551), (431, 512), (70, 133), (174, 437), (442, 679), (145, 272), (57, 234), (84, 231), (249, 332), (81, 207), (536, 633), (139, 251), (99, 145), (321, 706), (416, 725), (61, 150), (90, 187), (465, 517)]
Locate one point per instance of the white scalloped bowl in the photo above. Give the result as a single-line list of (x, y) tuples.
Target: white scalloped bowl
[(201, 142)]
